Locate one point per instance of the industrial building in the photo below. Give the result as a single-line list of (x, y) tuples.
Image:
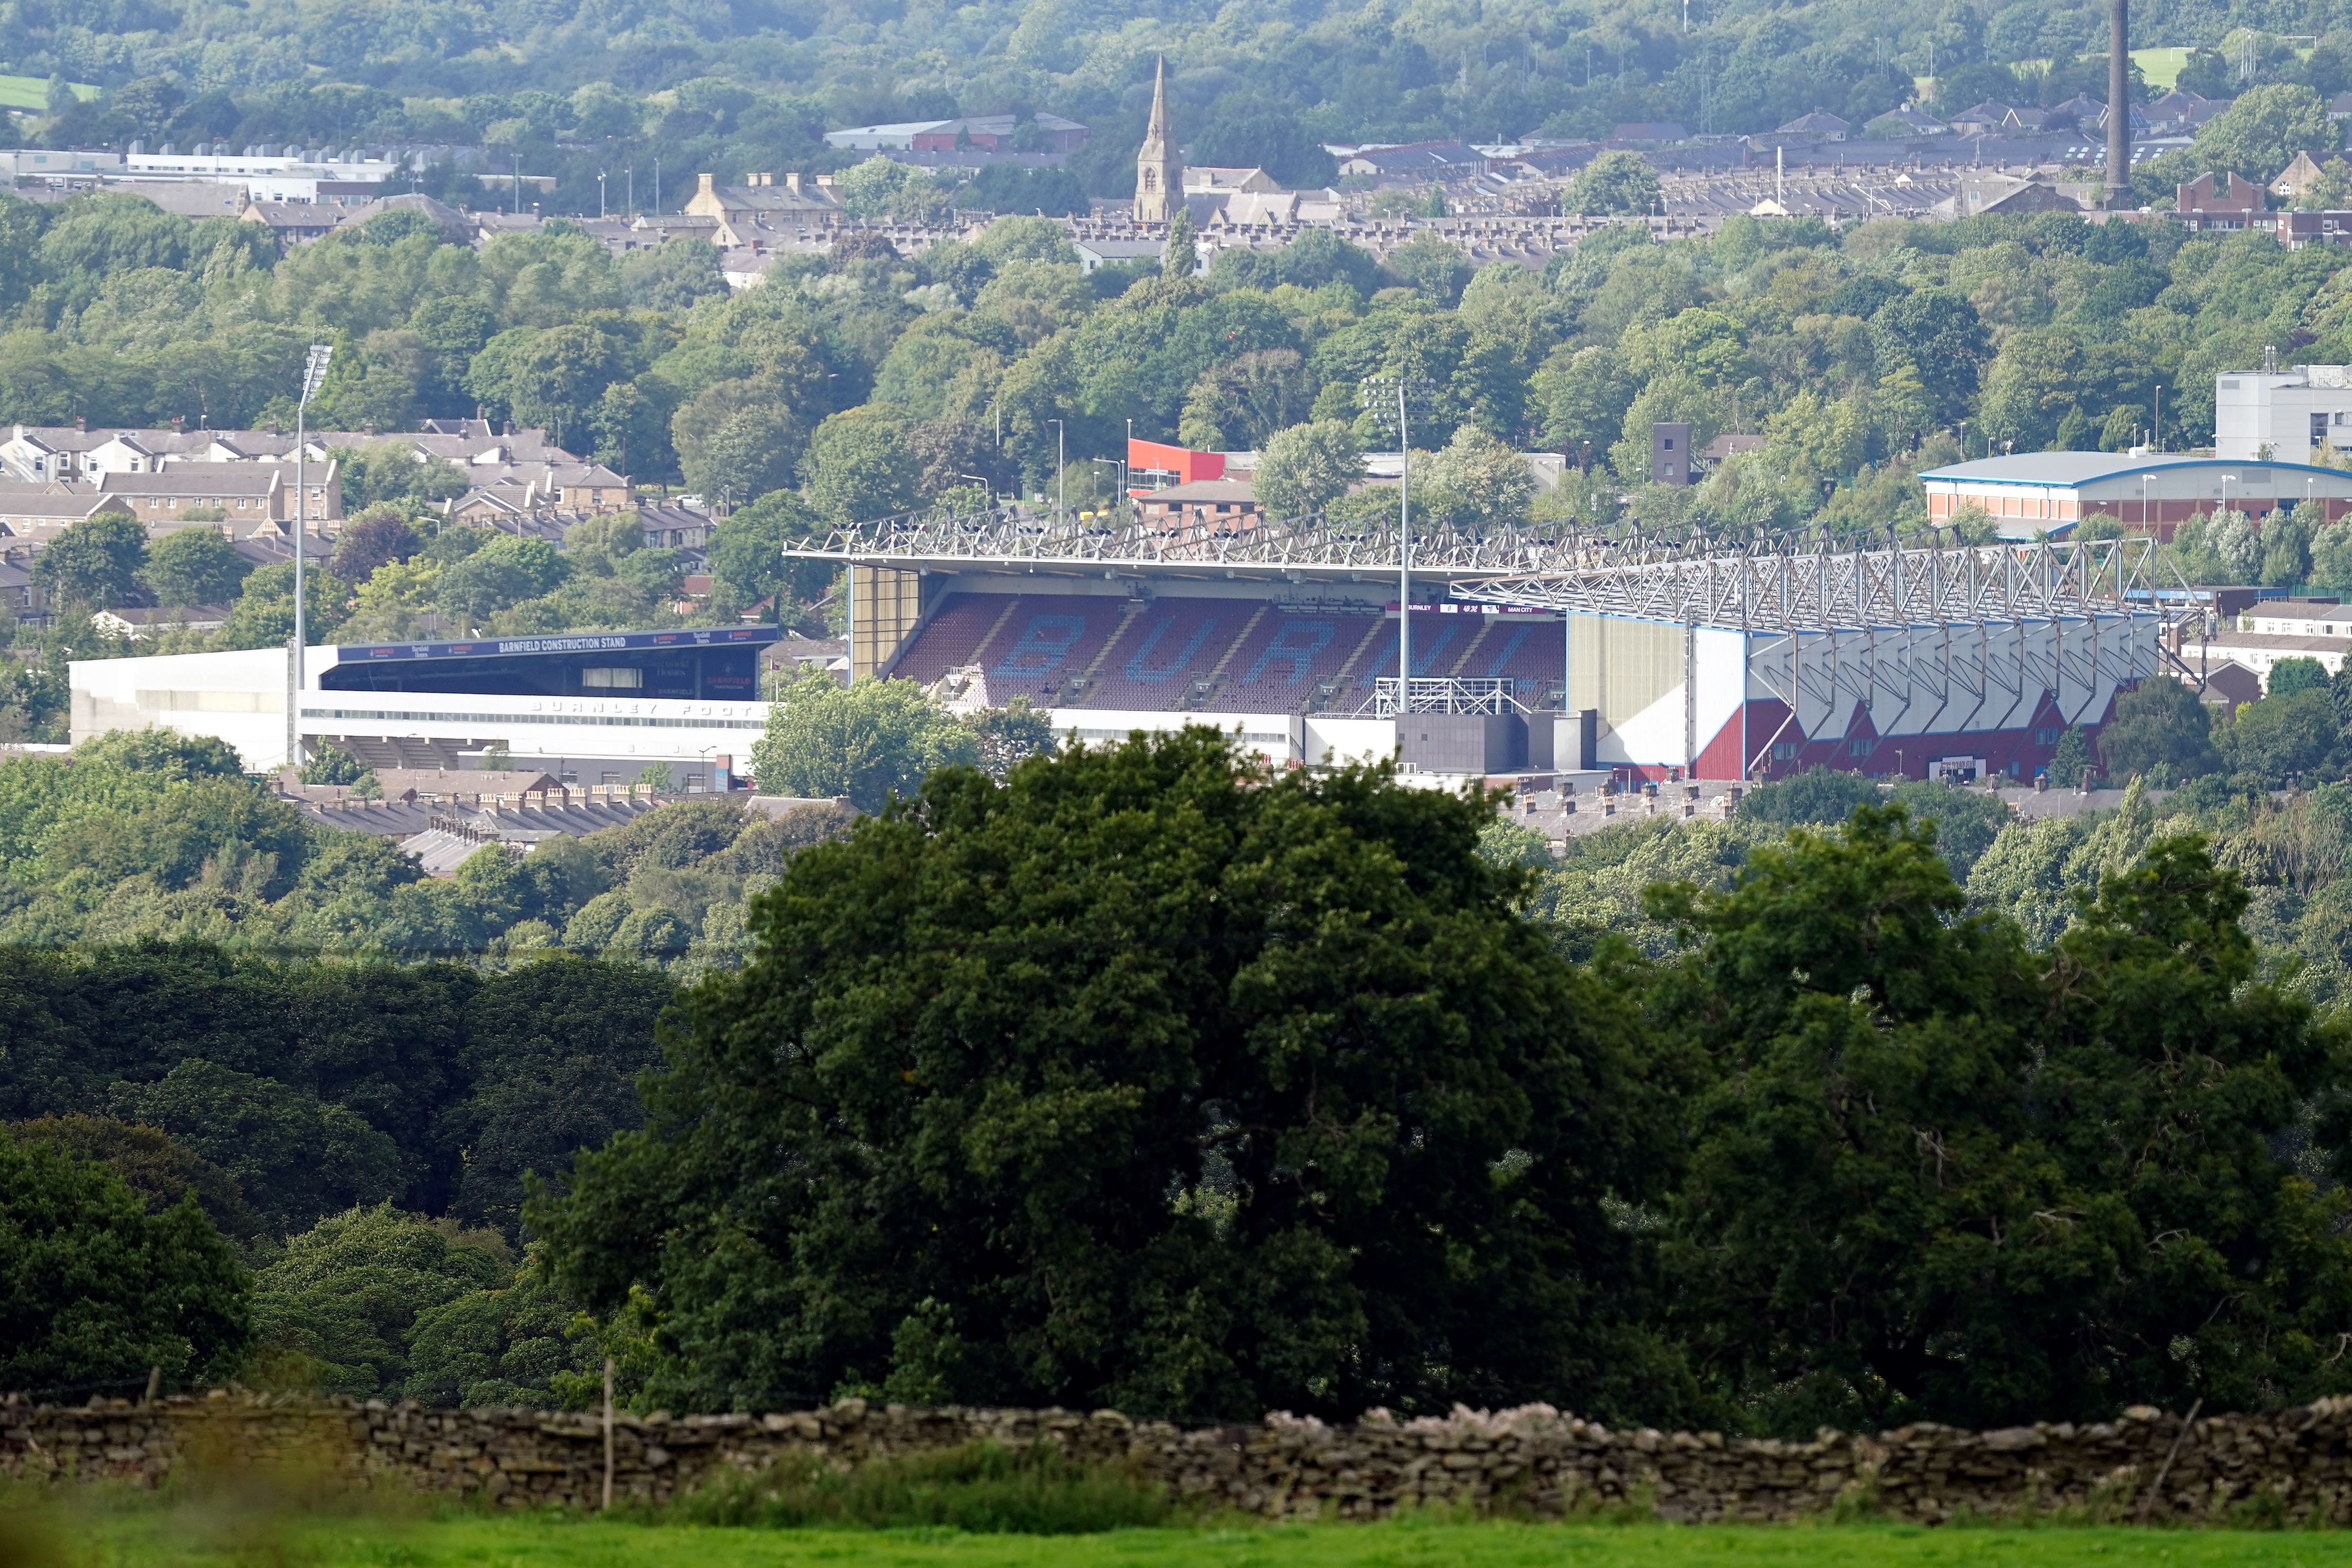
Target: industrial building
[(2287, 416), (2036, 493), (591, 708)]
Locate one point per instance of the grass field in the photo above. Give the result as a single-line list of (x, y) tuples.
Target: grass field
[(33, 92), (149, 1538)]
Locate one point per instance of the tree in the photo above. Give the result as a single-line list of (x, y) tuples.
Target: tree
[(2070, 759), (293, 1155), (1010, 736), (337, 1308), (747, 550), (1238, 404), (195, 566), (859, 467), (1180, 257), (1014, 189), (1583, 394), (2294, 674), (2161, 722), (1937, 1177), (161, 1171), (94, 563), (1942, 338), (2263, 129), (98, 1291), (1819, 795), (2282, 736), (1481, 476), (1615, 182), (737, 440), (864, 190), (1140, 1079), (378, 536), (1428, 265), (869, 741), (332, 764), (1244, 131), (1305, 469), (511, 1346), (263, 615)]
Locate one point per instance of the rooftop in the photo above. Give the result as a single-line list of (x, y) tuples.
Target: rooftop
[(2086, 468)]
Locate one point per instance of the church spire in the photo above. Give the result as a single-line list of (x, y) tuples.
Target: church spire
[(1159, 169), (1155, 138)]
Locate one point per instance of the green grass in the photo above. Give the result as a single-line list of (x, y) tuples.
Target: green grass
[(2159, 68), (979, 1487), (154, 1537), (33, 92)]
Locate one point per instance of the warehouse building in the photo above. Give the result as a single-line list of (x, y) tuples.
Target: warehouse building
[(2036, 493)]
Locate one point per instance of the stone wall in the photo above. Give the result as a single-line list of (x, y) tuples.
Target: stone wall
[(2294, 1463)]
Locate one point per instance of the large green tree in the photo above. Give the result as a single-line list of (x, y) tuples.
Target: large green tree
[(95, 1290), (1940, 1175), (195, 566), (868, 741), (1139, 1080), (96, 563)]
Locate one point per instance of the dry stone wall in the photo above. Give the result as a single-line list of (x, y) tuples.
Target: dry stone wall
[(2293, 1464)]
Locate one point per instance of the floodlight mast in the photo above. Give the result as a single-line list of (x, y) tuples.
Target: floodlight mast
[(314, 373), (1408, 390)]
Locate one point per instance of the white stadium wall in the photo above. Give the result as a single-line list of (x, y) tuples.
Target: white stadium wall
[(240, 697)]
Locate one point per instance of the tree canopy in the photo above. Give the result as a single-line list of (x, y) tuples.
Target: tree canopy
[(1937, 1175), (1137, 1080), (95, 1290)]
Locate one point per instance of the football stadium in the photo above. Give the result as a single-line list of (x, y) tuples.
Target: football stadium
[(1528, 650), (1512, 651)]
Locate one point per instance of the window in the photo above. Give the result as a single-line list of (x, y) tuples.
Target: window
[(2046, 734), (610, 780), (1665, 444), (1860, 745), (1784, 751), (605, 680)]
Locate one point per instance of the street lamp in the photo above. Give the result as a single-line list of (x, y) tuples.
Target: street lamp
[(1059, 497), (983, 481), (314, 374), (600, 195)]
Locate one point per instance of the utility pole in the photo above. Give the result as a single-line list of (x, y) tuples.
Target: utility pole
[(600, 195), (314, 373)]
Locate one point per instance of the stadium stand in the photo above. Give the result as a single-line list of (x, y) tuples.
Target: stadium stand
[(1214, 655)]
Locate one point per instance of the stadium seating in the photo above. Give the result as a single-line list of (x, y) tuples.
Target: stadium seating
[(1037, 645), (1285, 662), (1170, 645)]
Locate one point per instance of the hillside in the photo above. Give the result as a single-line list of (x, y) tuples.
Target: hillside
[(771, 73)]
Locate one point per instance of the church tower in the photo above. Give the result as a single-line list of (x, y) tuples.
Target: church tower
[(1159, 171)]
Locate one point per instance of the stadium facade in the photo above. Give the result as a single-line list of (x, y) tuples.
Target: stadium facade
[(592, 708), (1529, 652)]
